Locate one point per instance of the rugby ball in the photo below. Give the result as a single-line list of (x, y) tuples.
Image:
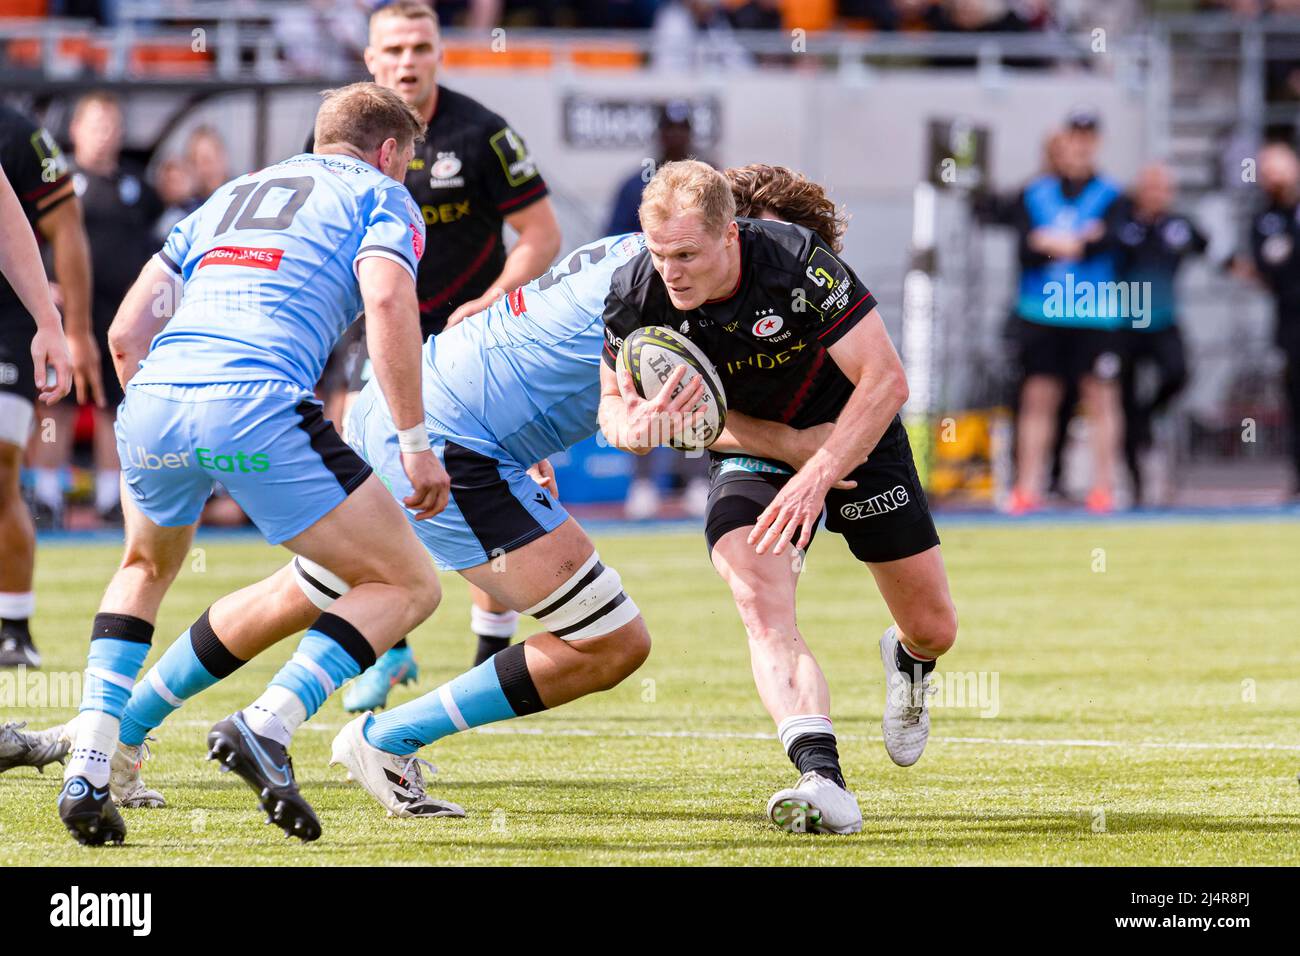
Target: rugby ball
[(652, 354)]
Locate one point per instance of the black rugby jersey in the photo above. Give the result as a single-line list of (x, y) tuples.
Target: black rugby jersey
[(768, 338), (36, 167), (1275, 247), (121, 210), (1150, 251), (469, 174)]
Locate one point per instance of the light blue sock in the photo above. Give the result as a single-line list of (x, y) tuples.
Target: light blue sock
[(111, 669), (317, 655), (176, 677), (470, 700)]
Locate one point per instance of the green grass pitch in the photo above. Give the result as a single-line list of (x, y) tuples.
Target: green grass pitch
[(1145, 711)]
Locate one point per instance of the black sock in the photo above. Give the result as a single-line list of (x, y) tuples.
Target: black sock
[(211, 653), (817, 752), (17, 627), (487, 646), (401, 643), (909, 665), (516, 683)]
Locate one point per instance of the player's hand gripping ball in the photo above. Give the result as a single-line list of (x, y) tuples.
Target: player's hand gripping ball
[(652, 354)]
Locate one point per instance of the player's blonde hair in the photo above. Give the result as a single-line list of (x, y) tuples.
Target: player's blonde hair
[(405, 10), (789, 196), (364, 115), (688, 186)]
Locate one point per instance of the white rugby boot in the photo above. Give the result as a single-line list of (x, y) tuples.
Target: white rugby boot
[(396, 782), (124, 779), (815, 804), (124, 782), (906, 721)]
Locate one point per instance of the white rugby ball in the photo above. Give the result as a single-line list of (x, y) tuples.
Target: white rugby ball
[(652, 354)]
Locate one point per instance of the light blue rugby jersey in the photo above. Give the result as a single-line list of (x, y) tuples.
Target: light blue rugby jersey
[(525, 374), (269, 270)]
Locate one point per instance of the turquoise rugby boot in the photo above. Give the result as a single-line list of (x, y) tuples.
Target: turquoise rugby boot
[(370, 690)]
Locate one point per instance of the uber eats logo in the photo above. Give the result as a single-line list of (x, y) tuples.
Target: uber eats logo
[(240, 462), (146, 460)]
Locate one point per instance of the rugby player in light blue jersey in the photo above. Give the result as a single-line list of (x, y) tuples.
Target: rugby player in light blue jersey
[(268, 273), (503, 390)]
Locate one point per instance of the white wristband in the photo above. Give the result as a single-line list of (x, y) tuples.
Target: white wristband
[(413, 440)]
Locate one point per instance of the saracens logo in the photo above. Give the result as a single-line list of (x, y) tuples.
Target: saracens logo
[(444, 173), (880, 504), (768, 325), (448, 165)]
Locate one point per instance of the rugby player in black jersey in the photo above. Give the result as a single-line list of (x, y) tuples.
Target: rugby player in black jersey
[(471, 176), (38, 173), (797, 341)]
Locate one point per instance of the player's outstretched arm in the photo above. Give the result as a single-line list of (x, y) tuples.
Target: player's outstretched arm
[(867, 358), (20, 263), (393, 337), (146, 308), (63, 229)]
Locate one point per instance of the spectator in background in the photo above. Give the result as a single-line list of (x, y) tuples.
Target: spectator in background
[(1275, 261), (205, 152), (120, 210), (674, 135), (757, 15), (1061, 335), (175, 186), (643, 498), (1150, 242), (322, 37), (695, 35)]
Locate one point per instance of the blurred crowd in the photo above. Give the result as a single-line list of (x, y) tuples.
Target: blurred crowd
[(933, 15), (1094, 327)]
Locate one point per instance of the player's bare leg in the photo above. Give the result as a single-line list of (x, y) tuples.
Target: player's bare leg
[(1103, 406), (915, 590), (1035, 428), (368, 542), (492, 622), (595, 638), (51, 452), (108, 496), (790, 684), (234, 630), (120, 640), (18, 545)]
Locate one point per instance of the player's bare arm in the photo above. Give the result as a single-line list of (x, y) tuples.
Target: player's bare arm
[(145, 310), (20, 263), (867, 358), (393, 330), (636, 424), (744, 434), (62, 228), (536, 246)]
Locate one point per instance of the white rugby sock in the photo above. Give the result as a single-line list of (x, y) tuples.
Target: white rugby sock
[(491, 624), (276, 714), (796, 725), (17, 605), (49, 487), (107, 489), (92, 749)]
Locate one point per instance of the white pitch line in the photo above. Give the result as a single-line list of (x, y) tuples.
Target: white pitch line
[(508, 731)]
